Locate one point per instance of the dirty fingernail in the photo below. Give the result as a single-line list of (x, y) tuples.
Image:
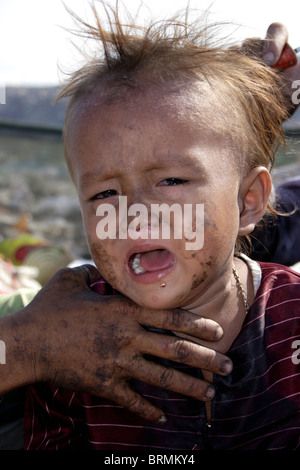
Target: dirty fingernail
[(162, 419), (227, 367), (210, 392)]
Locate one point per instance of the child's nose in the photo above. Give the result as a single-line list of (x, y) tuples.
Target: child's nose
[(138, 195), (138, 229), (142, 200)]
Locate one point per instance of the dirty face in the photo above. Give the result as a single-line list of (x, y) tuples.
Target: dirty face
[(155, 147)]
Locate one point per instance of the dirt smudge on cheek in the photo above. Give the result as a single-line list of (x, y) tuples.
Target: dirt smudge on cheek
[(106, 262), (198, 280), (204, 268), (205, 261)]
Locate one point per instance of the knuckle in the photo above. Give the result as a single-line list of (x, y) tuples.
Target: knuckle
[(65, 270), (59, 279), (177, 318), (134, 404), (63, 274), (126, 308), (181, 351), (167, 378), (68, 276)]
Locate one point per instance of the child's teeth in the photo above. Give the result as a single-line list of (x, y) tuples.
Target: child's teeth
[(136, 265)]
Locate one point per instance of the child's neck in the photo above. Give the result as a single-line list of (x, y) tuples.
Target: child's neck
[(227, 307)]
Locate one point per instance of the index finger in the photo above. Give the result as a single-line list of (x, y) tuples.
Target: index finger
[(182, 321), (276, 38)]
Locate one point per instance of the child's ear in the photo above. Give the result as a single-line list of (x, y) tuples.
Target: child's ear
[(253, 198)]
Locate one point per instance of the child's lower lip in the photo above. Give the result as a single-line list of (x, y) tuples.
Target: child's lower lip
[(152, 276)]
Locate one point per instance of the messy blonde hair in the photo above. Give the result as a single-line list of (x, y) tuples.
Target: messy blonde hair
[(246, 103)]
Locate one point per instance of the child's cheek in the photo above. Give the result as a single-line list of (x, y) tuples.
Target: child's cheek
[(202, 270), (107, 263)]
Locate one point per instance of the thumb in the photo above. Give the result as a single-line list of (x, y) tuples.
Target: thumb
[(88, 273), (276, 38)]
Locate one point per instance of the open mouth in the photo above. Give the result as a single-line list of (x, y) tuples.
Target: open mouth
[(151, 265)]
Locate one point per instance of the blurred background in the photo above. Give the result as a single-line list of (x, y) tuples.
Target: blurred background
[(40, 221)]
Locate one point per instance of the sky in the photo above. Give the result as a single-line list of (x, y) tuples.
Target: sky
[(34, 40)]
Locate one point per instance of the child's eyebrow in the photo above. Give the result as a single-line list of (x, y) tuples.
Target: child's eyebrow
[(161, 163), (92, 177), (174, 161)]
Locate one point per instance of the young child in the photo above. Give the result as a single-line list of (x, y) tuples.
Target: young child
[(168, 118)]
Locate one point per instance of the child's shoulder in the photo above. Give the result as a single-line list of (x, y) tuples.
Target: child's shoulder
[(276, 274), (279, 291)]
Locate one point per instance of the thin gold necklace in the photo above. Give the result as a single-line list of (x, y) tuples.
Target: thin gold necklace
[(241, 288)]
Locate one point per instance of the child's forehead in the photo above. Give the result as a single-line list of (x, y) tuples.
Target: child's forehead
[(161, 117), (179, 100), (181, 115)]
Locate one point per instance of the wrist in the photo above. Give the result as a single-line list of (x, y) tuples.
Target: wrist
[(18, 368)]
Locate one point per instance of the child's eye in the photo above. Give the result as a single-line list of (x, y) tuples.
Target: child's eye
[(172, 182), (105, 194)]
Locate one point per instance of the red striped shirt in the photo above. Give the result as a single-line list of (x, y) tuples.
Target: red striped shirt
[(255, 407)]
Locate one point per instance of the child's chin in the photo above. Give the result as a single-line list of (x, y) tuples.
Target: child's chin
[(157, 302)]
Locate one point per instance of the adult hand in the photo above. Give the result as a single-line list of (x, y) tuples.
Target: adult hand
[(270, 50), (71, 336), (276, 38)]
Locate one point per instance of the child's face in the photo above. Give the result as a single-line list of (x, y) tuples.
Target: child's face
[(156, 147)]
